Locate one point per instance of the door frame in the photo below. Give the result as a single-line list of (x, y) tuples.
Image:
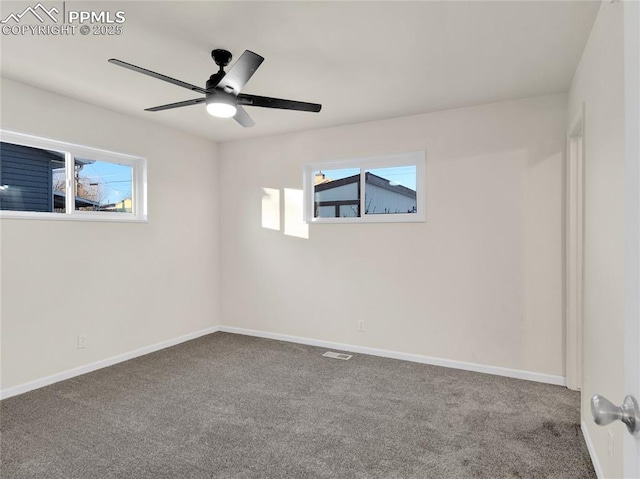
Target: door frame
[(574, 260), (631, 444)]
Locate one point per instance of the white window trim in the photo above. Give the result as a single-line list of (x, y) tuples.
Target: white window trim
[(72, 151), (414, 158)]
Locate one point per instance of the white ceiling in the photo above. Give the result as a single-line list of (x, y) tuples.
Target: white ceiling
[(362, 60)]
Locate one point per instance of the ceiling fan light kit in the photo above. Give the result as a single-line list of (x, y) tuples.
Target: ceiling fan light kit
[(221, 104), (222, 95)]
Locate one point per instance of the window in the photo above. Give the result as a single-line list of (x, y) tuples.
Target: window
[(102, 186), (41, 178), (378, 189)]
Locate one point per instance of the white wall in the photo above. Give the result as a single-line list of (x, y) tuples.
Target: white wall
[(126, 286), (599, 84), (480, 281)]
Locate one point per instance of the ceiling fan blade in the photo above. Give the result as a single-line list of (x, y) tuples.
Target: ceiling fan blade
[(240, 73), (159, 76), (266, 102), (243, 117), (195, 101)]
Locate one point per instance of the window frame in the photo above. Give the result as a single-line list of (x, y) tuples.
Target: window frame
[(71, 152), (413, 158)]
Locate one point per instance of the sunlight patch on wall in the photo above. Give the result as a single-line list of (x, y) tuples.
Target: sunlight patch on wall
[(294, 224), (271, 208)]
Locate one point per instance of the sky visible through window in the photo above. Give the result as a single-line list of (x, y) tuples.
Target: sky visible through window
[(114, 180), (397, 175)]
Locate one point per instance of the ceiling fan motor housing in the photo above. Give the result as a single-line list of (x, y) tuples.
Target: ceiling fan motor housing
[(221, 96), (214, 79)]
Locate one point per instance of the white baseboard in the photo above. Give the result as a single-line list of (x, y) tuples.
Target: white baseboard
[(416, 358), (87, 368), (592, 451)]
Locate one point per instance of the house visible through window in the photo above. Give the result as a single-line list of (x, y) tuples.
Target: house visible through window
[(371, 189), (45, 176), (28, 179), (337, 193)]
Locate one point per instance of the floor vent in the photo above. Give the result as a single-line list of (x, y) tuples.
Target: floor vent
[(331, 354)]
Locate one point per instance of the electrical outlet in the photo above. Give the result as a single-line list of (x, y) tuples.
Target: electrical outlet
[(82, 341), (610, 445), (361, 325)]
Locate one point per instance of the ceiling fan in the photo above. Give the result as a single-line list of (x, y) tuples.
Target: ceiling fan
[(222, 95)]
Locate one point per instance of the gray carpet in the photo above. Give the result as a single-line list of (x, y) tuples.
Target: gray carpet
[(229, 406)]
